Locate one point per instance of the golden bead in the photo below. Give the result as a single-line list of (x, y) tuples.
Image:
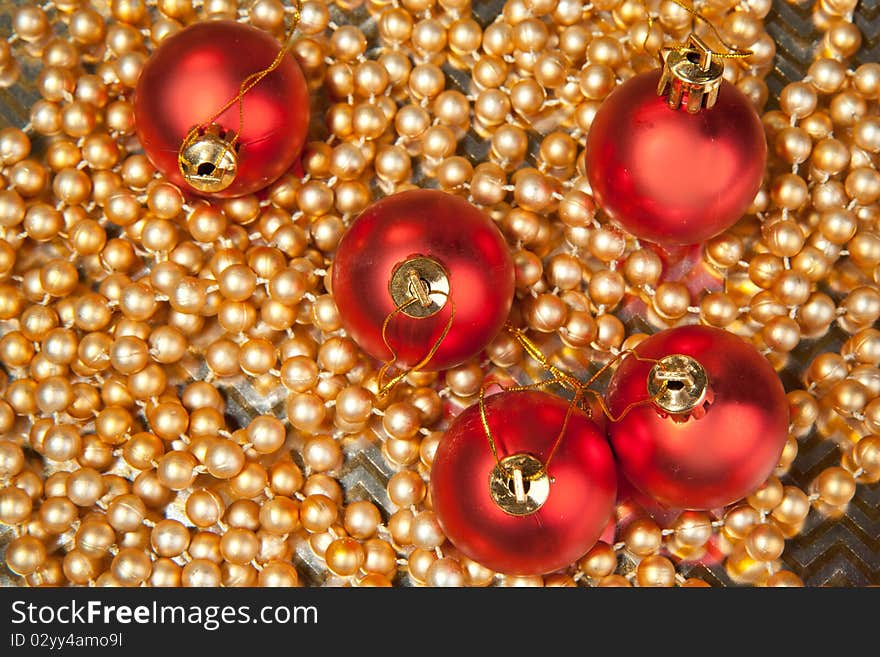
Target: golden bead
[(793, 507), (827, 75), (204, 508), (692, 529), (642, 537), (24, 554), (15, 506), (606, 288), (614, 581), (131, 566), (445, 572), (671, 300), (95, 537), (344, 556), (599, 562), (798, 99), (165, 572), (642, 267), (406, 488), (278, 573), (765, 542), (866, 455), (280, 515), (465, 380), (793, 145), (835, 486), (362, 519), (239, 546), (169, 538), (655, 570), (784, 578), (201, 573), (419, 562), (317, 513)]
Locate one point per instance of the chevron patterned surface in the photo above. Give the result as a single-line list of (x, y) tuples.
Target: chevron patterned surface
[(832, 552)]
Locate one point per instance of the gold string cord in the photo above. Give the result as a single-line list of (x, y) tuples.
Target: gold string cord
[(569, 381), (535, 353), (732, 51), (545, 464), (385, 388), (249, 83), (611, 363)]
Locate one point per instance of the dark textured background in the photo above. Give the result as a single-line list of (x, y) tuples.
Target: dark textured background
[(841, 552)]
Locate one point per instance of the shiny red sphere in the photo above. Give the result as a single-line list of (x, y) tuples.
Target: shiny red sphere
[(194, 72), (668, 176), (582, 493), (710, 461), (448, 230)]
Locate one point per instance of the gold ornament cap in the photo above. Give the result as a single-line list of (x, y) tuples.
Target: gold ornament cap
[(208, 160), (519, 484), (419, 286), (678, 384), (691, 70)]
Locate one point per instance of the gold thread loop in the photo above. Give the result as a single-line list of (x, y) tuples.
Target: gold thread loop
[(386, 387), (536, 354), (662, 373), (732, 51), (545, 464)]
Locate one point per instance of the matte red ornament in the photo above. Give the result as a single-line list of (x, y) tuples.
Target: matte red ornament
[(453, 251), (725, 446), (579, 495), (670, 176), (193, 73)]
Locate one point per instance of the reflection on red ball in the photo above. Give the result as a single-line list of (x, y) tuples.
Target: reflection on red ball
[(581, 498), (448, 230), (719, 458), (668, 176), (194, 72)]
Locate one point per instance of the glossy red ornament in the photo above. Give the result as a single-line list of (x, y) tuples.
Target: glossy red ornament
[(194, 72), (668, 176), (719, 452), (455, 235), (581, 495)]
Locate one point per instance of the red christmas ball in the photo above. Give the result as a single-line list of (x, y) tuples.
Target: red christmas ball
[(473, 502), (709, 438), (669, 176), (193, 73), (434, 241)]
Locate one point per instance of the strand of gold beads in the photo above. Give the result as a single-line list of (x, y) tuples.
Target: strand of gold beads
[(325, 380)]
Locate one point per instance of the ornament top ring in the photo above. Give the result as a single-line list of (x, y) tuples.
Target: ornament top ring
[(194, 74)]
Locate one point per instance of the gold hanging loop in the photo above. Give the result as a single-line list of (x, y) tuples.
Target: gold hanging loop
[(730, 52), (386, 387), (545, 464)]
